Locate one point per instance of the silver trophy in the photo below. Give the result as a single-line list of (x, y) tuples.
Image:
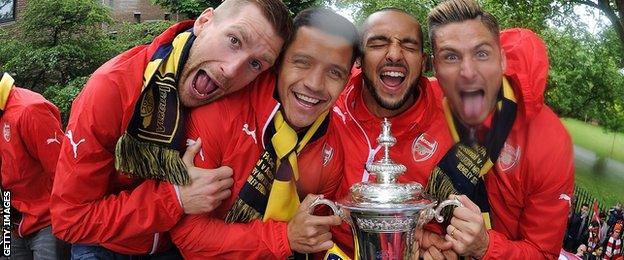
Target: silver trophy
[(384, 215)]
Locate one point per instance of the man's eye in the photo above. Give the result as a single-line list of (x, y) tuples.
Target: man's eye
[(234, 40), (482, 54), (451, 57), (256, 65), (335, 74)]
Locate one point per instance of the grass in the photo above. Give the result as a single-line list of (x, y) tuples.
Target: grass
[(596, 139), (606, 188)]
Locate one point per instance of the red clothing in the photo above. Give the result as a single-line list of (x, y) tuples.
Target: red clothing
[(529, 188), (92, 203), (232, 133), (32, 136), (421, 133)]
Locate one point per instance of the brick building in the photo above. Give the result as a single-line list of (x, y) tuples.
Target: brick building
[(135, 10), (121, 10)]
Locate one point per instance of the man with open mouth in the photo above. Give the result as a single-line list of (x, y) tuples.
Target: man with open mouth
[(389, 85), (120, 182), (512, 157), (283, 147)]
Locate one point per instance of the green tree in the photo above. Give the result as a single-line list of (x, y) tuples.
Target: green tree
[(55, 42), (193, 8), (614, 10)]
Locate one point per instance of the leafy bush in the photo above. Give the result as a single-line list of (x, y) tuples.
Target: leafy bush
[(63, 95)]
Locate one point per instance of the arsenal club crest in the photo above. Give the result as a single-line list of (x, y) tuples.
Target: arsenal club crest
[(328, 154), (6, 130), (508, 157), (423, 147)]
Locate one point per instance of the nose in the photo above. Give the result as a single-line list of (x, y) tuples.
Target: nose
[(468, 69), (395, 54), (314, 79), (232, 67)]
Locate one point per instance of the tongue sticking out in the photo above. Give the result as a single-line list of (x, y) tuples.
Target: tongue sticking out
[(203, 84), (473, 105), (391, 81)]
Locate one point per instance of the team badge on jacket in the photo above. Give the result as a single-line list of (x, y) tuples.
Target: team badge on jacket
[(6, 130), (423, 147), (508, 157)]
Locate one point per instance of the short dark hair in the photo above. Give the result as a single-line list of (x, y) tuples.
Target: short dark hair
[(584, 205), (365, 25), (275, 11), (330, 22), (454, 11)]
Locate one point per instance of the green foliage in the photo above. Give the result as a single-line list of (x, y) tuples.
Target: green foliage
[(193, 8), (584, 80), (63, 95), (55, 42), (187, 8), (128, 35)]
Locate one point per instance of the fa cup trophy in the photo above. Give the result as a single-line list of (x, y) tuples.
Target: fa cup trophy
[(384, 214)]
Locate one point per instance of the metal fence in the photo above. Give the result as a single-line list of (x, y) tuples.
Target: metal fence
[(581, 196)]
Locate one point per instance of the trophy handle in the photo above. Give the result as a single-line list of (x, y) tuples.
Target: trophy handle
[(453, 202), (329, 203)]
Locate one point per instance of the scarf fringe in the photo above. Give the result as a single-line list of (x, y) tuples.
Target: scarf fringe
[(143, 160), (241, 213)]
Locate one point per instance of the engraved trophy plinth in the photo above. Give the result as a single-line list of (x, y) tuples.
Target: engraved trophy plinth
[(384, 214)]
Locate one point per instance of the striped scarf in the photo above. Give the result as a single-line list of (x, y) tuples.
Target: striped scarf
[(270, 191), (149, 147), (462, 168), (6, 84)]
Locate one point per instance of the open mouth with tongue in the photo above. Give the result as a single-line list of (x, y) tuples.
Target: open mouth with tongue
[(473, 102), (392, 79), (203, 85)]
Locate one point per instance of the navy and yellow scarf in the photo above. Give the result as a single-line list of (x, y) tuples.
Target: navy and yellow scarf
[(149, 149), (462, 168)]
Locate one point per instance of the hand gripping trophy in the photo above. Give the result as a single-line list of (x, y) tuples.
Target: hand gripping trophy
[(384, 214)]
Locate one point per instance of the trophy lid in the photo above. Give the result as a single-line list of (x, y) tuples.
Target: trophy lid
[(386, 192)]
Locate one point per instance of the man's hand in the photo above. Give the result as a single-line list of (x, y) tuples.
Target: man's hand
[(467, 231), (208, 186), (308, 233), (433, 246)]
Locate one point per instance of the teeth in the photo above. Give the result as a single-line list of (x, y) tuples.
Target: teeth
[(307, 99), (393, 74)]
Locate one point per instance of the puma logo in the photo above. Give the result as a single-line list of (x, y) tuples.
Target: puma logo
[(74, 144), (53, 140), (251, 133), (340, 114), (564, 196), (190, 142)]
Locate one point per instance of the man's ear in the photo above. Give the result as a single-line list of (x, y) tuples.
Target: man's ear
[(358, 62), (204, 19), (503, 60)]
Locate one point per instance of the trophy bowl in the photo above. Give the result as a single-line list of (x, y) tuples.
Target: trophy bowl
[(384, 214)]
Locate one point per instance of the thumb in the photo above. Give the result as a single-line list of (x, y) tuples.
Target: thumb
[(191, 151), (468, 203), (307, 202)]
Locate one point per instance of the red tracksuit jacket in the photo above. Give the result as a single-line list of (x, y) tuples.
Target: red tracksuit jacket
[(232, 132), (421, 133), (529, 188), (91, 202), (31, 139)]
